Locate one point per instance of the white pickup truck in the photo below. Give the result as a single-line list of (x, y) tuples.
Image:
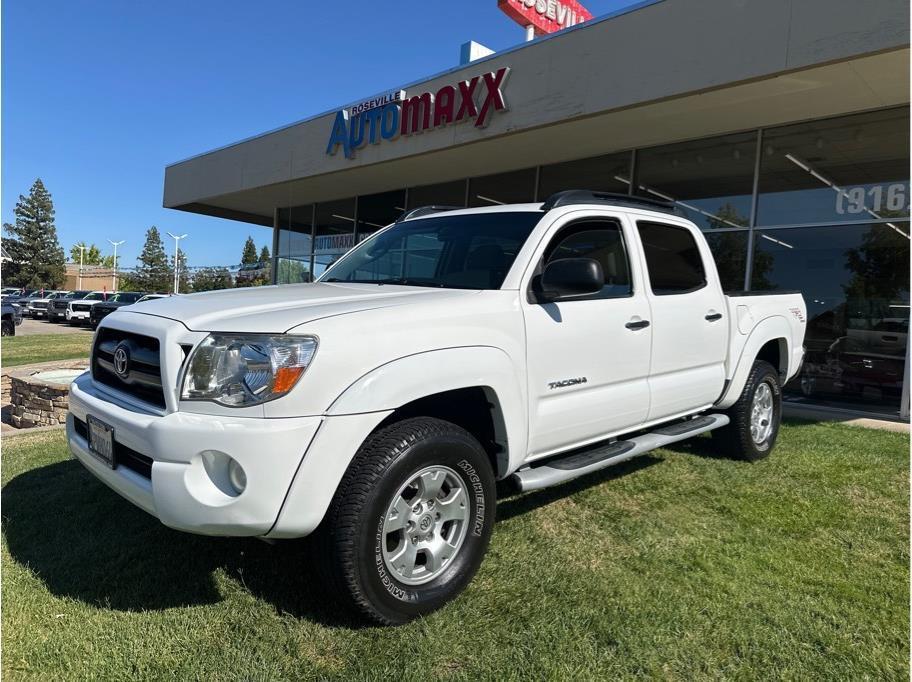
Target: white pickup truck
[(377, 406)]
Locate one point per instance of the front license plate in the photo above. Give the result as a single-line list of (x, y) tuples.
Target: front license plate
[(101, 440)]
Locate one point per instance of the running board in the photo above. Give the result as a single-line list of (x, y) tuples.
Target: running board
[(562, 469)]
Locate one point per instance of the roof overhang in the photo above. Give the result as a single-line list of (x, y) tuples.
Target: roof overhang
[(668, 71)]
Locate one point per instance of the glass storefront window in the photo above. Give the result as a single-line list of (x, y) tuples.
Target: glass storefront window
[(441, 194), (712, 179), (294, 244), (334, 232), (515, 187), (610, 173), (729, 250), (376, 211), (853, 168), (855, 281)]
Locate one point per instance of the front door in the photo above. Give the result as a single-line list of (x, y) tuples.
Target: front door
[(588, 358)]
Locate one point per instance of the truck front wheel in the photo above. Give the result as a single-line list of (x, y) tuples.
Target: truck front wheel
[(410, 521), (755, 418)]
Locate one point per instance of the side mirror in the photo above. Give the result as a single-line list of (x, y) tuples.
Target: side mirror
[(569, 278)]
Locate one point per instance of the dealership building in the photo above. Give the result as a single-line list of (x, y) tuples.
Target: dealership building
[(780, 127)]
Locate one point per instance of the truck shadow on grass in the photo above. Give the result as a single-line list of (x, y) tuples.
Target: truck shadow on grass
[(86, 543)]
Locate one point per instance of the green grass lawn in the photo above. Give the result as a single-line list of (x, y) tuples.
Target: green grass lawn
[(678, 565), (24, 350)]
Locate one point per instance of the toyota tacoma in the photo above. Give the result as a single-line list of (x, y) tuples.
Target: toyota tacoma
[(377, 407)]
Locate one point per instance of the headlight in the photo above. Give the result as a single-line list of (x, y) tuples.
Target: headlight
[(246, 369)]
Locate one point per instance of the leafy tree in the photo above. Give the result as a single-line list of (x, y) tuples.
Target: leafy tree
[(264, 254), (249, 255), (90, 256), (209, 279), (183, 274), (36, 259), (153, 272)]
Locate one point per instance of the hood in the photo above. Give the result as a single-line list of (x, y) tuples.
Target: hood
[(277, 309)]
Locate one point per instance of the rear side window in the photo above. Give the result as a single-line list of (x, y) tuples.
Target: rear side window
[(672, 258), (601, 241)]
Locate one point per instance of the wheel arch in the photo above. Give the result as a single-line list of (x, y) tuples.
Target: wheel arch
[(472, 386), (769, 341)]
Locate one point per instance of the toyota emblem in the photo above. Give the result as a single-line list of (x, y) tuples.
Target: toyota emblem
[(121, 361)]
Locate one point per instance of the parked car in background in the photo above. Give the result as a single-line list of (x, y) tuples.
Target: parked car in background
[(11, 318), (57, 307), (101, 310), (24, 296), (8, 292), (38, 307), (251, 272), (77, 312)]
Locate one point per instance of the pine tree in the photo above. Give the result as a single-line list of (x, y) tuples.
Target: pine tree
[(153, 273), (264, 254), (249, 255), (36, 258)]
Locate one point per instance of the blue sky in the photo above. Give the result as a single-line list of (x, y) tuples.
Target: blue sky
[(98, 97)]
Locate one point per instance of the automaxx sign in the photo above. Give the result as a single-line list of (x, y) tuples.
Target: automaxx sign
[(390, 115)]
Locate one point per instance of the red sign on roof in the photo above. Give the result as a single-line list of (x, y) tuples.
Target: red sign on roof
[(546, 16)]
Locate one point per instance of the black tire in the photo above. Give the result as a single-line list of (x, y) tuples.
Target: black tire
[(350, 539), (8, 328), (735, 439)]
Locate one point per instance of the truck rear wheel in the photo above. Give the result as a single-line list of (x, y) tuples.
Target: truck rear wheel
[(410, 521), (755, 418), (8, 328)]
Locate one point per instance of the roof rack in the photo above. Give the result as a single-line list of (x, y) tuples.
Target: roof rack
[(585, 196), (426, 210)]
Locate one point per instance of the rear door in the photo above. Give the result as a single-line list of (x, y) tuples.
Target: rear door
[(588, 358), (689, 329)]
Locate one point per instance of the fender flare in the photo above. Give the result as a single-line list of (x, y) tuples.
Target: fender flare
[(405, 379), (769, 328), (361, 407)]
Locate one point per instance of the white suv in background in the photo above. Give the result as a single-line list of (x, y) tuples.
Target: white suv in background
[(78, 310)]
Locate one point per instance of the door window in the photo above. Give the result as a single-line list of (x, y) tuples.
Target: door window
[(602, 241), (672, 259)]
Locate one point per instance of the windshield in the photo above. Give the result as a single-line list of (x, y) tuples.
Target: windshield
[(472, 251), (95, 296), (126, 297)]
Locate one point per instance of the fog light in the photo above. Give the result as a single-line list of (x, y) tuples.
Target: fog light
[(237, 476)]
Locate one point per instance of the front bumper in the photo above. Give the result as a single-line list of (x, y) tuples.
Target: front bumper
[(77, 314), (186, 489)]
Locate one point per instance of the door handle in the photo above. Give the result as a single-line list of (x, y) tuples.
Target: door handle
[(713, 317), (639, 324)]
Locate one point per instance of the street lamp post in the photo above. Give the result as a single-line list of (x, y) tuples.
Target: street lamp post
[(176, 239), (114, 276), (82, 248)]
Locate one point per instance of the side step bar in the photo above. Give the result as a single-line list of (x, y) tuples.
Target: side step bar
[(580, 463)]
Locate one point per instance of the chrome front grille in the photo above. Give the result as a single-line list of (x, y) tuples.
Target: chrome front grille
[(135, 371)]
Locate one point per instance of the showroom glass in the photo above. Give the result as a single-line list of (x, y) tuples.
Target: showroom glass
[(855, 282), (441, 194), (610, 173), (516, 187), (852, 168), (376, 211), (334, 232), (601, 241), (293, 248), (729, 250), (458, 252), (711, 180), (672, 258)]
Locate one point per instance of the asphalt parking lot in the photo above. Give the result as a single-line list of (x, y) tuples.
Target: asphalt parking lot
[(31, 327)]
